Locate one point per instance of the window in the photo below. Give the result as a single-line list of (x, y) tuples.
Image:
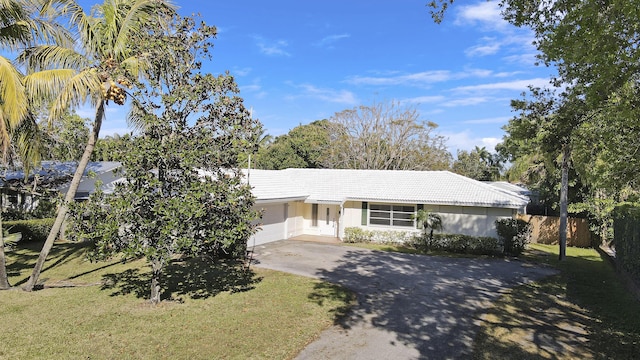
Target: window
[(314, 215), (327, 216), (391, 215)]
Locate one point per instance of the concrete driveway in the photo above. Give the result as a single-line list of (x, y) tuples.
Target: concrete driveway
[(409, 306)]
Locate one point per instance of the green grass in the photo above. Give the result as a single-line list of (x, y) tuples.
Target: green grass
[(98, 311), (584, 312)]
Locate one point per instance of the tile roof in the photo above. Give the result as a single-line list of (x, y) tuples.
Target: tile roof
[(420, 187)]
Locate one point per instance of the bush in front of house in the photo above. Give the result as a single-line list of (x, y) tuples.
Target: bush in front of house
[(31, 230), (455, 243), (514, 234), (358, 235)]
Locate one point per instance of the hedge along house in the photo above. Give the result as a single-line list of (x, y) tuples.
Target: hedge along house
[(324, 202)]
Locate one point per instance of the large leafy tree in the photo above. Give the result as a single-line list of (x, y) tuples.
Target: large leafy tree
[(304, 146), (96, 69), (545, 127), (184, 192), (478, 164), (385, 136)]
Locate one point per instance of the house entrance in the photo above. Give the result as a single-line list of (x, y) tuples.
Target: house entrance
[(327, 220)]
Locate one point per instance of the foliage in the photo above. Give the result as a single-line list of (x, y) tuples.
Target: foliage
[(34, 230), (64, 140), (111, 148), (385, 136), (183, 192), (429, 221), (593, 44), (46, 208), (455, 243), (514, 234), (359, 235), (458, 243), (303, 147), (626, 226), (478, 164)]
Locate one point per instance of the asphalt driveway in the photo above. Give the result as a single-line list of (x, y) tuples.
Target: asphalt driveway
[(409, 306)]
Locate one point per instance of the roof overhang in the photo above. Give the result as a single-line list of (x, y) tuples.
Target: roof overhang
[(280, 200)]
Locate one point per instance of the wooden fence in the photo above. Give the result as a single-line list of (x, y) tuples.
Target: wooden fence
[(545, 230)]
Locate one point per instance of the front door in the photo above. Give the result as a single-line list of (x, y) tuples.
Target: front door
[(327, 220)]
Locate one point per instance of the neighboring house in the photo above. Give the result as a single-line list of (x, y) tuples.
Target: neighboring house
[(54, 177), (326, 201)]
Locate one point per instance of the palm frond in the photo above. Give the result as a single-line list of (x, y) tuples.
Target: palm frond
[(71, 88), (137, 16), (13, 100), (5, 138), (47, 83), (13, 36), (45, 57), (27, 143), (71, 10)]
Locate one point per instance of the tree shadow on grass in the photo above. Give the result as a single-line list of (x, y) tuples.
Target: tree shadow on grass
[(324, 291), (23, 257), (196, 278)]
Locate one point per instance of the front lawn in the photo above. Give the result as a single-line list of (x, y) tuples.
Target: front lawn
[(584, 312), (98, 311)]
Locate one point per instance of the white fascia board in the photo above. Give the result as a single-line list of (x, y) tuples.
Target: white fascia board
[(279, 200)]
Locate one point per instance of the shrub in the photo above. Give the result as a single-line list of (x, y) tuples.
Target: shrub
[(514, 235), (32, 230), (356, 235), (458, 243)]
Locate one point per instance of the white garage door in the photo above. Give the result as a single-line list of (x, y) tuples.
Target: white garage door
[(273, 224)]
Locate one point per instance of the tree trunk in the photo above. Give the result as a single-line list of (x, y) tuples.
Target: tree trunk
[(4, 279), (564, 189), (71, 194), (156, 272)]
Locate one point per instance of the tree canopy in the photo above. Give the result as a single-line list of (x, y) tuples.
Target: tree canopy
[(184, 191), (303, 147), (385, 136)]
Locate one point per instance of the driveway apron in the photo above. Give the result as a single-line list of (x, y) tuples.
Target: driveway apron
[(409, 306)]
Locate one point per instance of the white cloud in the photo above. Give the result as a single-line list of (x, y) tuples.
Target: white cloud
[(488, 48), (464, 140), (470, 101), (415, 79), (486, 13), (495, 120), (241, 72), (521, 85), (325, 94), (272, 47), (328, 41), (252, 88), (424, 99)]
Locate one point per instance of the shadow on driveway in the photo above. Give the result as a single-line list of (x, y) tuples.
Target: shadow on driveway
[(409, 306)]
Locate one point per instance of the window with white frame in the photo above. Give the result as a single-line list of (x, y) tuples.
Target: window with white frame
[(391, 215)]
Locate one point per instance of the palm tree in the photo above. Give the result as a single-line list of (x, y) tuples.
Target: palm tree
[(429, 221), (18, 28), (98, 72)]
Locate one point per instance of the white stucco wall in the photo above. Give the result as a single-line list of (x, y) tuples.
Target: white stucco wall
[(475, 221)]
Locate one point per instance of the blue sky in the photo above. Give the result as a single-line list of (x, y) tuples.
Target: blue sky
[(300, 61)]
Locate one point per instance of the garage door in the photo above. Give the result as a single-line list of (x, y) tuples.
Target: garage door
[(273, 224)]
